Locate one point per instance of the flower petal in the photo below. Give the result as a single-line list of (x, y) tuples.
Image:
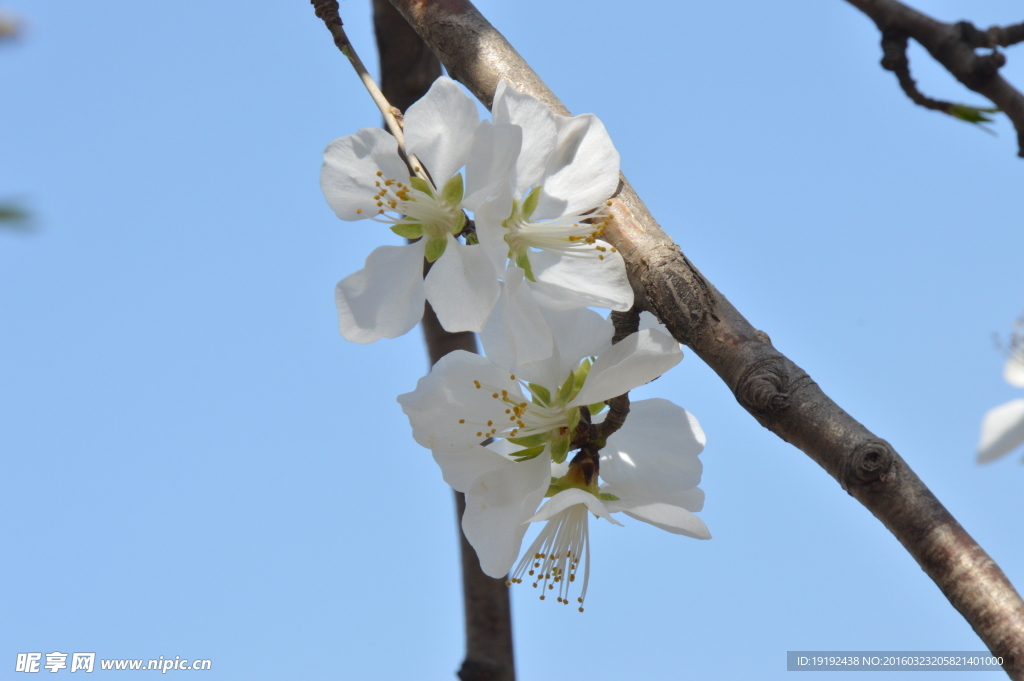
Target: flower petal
[(571, 497), (667, 517), (461, 469), (583, 168), (462, 287), (385, 298), (350, 168), (491, 158), (498, 504), (1014, 370), (1001, 430), (448, 411), (584, 280), (653, 457), (540, 134), (439, 129), (637, 359), (517, 332)]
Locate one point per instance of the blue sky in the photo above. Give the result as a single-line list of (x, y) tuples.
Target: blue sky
[(194, 462)]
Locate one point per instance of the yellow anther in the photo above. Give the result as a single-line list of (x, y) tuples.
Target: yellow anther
[(380, 174), (476, 383), (462, 420), (359, 210)]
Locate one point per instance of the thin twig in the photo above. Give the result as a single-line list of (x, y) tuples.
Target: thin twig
[(328, 12), (773, 389)]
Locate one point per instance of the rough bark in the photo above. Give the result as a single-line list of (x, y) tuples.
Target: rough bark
[(772, 388)]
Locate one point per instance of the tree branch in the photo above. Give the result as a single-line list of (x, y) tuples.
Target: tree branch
[(953, 46), (776, 392), (408, 69)]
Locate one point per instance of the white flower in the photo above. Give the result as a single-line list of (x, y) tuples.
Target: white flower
[(1003, 427), (566, 170), (466, 398), (364, 177), (650, 466)]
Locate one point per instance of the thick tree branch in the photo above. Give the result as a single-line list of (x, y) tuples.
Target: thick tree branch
[(778, 393), (953, 46), (408, 68)]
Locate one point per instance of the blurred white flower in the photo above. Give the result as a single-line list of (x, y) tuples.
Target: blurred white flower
[(1002, 429)]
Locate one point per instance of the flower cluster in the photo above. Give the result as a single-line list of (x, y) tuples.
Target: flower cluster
[(544, 414)]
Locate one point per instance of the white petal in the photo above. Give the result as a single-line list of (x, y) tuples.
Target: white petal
[(571, 497), (497, 507), (653, 457), (517, 332), (584, 281), (491, 158), (385, 298), (489, 229), (578, 333), (583, 168), (667, 517), (1001, 430), (439, 129), (637, 359), (461, 469), (449, 394), (540, 134), (462, 287), (350, 169), (1014, 371)]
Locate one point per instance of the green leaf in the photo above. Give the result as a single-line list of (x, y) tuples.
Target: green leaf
[(453, 190), (419, 184), (971, 114), (527, 454), (542, 394), (530, 202), (596, 409), (523, 261), (529, 440), (410, 230), (605, 496), (559, 448), (435, 248)]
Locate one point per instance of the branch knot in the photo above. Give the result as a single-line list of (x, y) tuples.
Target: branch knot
[(868, 463)]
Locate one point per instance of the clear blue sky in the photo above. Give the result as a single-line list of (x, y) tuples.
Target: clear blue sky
[(195, 463)]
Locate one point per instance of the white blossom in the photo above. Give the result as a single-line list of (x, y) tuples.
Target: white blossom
[(363, 177), (1002, 429)]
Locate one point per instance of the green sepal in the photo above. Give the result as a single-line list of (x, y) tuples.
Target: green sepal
[(435, 248), (459, 222), (419, 184), (527, 454), (560, 448), (453, 190), (605, 496), (523, 262), (542, 394), (554, 488), (579, 376), (410, 230), (566, 388), (574, 420), (529, 440), (530, 202), (597, 408)]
